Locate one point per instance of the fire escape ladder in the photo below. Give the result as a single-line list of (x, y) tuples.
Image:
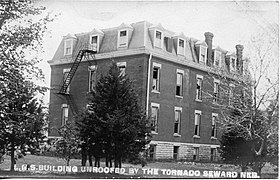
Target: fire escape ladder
[(80, 52), (72, 104), (71, 73)]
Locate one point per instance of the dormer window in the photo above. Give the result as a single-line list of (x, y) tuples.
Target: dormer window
[(68, 46), (122, 38), (158, 39), (202, 54), (181, 46), (217, 58), (94, 43)]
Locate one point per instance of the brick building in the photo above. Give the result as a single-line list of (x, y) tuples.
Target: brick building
[(169, 71)]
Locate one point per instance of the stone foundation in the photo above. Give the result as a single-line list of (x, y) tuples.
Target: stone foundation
[(164, 150)]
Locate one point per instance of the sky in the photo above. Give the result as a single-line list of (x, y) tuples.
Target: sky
[(231, 22)]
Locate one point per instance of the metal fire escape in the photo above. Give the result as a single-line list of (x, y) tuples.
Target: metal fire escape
[(83, 50)]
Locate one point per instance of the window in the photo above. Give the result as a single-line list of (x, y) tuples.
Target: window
[(196, 153), (181, 47), (68, 44), (178, 111), (66, 80), (213, 154), (179, 83), (158, 39), (181, 43), (199, 87), (152, 151), (122, 66), (203, 54), (175, 152), (217, 58), (214, 127), (216, 90), (123, 38), (92, 77), (123, 33), (197, 119), (233, 64), (158, 35), (156, 75), (154, 117), (93, 44), (64, 118)]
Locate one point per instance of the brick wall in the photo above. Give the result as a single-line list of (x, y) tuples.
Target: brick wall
[(168, 100), (136, 69)]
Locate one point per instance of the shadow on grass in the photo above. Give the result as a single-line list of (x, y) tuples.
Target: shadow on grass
[(86, 175)]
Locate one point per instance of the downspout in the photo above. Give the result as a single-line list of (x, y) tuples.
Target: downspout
[(148, 84)]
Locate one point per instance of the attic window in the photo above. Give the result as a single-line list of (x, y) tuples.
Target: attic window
[(68, 46), (158, 39), (123, 38), (233, 64), (181, 46), (122, 33), (93, 44), (158, 35), (202, 54), (217, 58)]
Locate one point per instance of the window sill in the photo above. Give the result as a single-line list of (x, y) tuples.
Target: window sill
[(155, 91), (198, 100), (176, 135), (181, 97), (181, 54), (122, 46), (158, 47), (214, 138), (154, 133), (196, 136)]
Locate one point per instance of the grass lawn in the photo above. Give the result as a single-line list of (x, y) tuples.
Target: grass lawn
[(267, 172)]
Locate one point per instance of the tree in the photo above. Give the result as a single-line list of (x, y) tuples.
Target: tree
[(21, 115), (23, 122), (68, 146), (235, 148), (116, 120), (246, 110)]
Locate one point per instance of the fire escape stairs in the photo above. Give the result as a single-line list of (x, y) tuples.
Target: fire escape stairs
[(78, 55)]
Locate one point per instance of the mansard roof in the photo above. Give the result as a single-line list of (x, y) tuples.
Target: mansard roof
[(96, 31), (139, 39)]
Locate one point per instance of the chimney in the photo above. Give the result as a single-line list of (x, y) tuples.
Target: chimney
[(239, 54), (208, 39)]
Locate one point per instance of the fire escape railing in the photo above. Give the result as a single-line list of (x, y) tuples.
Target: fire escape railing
[(80, 51), (78, 55)]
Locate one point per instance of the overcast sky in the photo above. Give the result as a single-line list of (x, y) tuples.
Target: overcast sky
[(231, 22)]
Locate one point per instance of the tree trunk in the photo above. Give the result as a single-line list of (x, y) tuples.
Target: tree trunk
[(243, 168), (67, 161), (120, 162), (116, 160), (84, 157), (12, 156), (89, 158), (97, 161)]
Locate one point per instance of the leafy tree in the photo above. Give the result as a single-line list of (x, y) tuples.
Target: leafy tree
[(23, 122), (250, 113), (235, 148), (21, 116), (116, 120), (68, 146)]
